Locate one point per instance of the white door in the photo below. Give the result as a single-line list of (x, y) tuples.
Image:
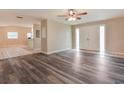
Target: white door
[(94, 38), (84, 40), (89, 37)]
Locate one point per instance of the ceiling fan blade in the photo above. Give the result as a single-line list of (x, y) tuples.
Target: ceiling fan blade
[(78, 18), (80, 14), (62, 15)]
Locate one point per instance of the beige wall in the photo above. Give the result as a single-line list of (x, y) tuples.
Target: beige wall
[(44, 37), (58, 36), (114, 34), (55, 36), (22, 36)]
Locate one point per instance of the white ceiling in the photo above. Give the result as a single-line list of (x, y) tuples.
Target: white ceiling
[(33, 16)]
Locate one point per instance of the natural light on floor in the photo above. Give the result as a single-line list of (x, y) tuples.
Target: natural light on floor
[(102, 39)]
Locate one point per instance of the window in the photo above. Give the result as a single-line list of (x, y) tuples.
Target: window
[(102, 39), (12, 35), (77, 38)]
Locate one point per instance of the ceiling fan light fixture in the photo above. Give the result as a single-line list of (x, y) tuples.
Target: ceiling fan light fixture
[(71, 19), (73, 15), (71, 12)]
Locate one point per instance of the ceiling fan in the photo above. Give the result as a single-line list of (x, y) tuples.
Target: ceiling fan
[(72, 15)]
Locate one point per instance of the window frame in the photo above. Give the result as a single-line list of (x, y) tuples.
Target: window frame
[(10, 36)]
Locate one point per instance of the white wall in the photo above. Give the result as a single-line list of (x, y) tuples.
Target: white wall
[(58, 36)]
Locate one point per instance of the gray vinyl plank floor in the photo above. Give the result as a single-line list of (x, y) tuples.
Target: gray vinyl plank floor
[(68, 67)]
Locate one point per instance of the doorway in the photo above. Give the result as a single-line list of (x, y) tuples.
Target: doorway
[(91, 38)]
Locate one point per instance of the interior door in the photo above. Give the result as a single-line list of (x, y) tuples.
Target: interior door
[(84, 38), (94, 38), (89, 37)]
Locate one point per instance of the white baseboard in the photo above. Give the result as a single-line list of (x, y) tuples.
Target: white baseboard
[(115, 54), (56, 51), (95, 50), (107, 53), (44, 52), (37, 49)]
